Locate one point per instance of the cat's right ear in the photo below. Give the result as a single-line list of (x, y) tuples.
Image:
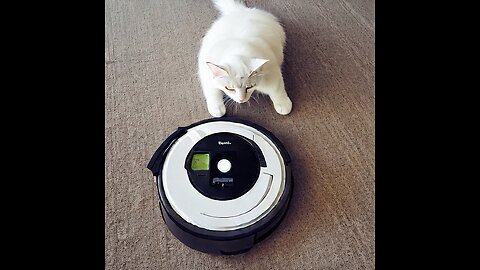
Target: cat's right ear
[(217, 71)]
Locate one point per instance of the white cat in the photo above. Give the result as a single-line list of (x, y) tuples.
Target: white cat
[(242, 52)]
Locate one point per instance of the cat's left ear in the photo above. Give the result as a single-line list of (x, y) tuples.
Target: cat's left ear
[(256, 64)]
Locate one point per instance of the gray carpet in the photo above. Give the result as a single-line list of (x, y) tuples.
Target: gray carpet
[(151, 88)]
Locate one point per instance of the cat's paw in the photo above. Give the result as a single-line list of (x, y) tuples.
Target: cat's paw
[(283, 107), (217, 110)]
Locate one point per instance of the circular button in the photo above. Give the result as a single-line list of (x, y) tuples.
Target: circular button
[(224, 165)]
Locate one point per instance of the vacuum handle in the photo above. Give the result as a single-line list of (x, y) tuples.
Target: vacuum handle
[(157, 160)]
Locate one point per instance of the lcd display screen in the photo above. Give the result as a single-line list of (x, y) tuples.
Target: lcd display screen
[(200, 162)]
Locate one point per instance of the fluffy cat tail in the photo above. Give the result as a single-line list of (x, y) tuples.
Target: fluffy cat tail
[(227, 6)]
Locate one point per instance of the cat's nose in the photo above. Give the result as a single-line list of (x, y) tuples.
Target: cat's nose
[(242, 100)]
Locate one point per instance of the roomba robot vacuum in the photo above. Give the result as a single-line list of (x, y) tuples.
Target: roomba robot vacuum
[(224, 184)]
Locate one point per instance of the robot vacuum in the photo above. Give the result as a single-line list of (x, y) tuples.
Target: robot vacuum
[(224, 184)]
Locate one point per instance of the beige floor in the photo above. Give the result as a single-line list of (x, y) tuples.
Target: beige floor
[(151, 88)]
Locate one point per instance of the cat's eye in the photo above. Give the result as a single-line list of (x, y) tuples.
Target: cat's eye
[(250, 86), (229, 89)]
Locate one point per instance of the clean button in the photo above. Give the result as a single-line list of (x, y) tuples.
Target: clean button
[(224, 165)]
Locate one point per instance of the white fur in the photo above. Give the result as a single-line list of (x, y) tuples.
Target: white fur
[(243, 48)]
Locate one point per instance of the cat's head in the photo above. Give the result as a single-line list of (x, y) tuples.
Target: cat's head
[(237, 76)]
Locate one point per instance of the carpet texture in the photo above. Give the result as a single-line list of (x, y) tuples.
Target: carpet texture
[(151, 88)]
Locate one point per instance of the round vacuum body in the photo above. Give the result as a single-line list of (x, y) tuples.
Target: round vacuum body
[(224, 184)]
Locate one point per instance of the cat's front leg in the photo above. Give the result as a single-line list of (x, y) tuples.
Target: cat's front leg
[(280, 99), (215, 104)]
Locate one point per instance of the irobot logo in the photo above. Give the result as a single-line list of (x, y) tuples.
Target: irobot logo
[(222, 143)]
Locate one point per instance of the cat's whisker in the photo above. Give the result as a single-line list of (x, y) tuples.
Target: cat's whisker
[(232, 103), (227, 101), (254, 98)]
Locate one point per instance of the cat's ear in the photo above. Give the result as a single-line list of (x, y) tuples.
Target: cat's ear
[(256, 64), (217, 71)]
